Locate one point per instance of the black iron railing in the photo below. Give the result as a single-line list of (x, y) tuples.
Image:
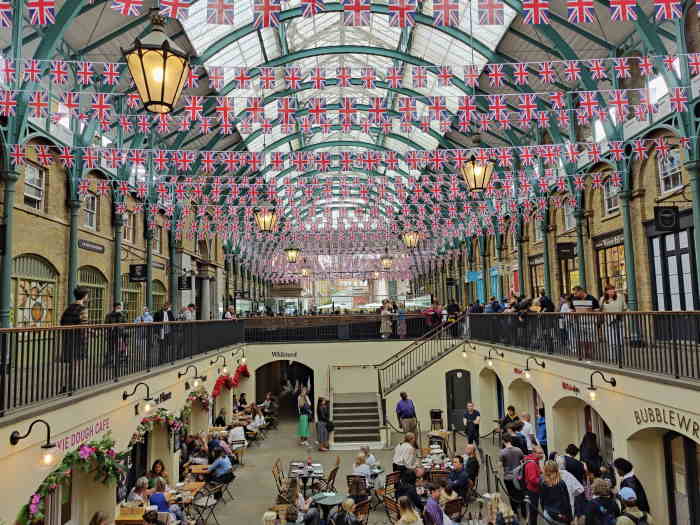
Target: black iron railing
[(41, 364), (410, 361), (657, 342)]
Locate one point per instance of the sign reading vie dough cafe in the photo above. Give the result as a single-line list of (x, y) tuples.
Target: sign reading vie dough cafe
[(83, 435)]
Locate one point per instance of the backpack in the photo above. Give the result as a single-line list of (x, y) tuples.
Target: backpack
[(637, 521), (605, 518), (519, 475)]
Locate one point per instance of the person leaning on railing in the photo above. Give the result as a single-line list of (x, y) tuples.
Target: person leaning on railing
[(75, 341)]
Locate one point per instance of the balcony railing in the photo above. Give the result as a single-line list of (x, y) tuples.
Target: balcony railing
[(664, 343)]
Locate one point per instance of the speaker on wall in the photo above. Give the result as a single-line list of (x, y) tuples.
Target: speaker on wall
[(666, 218)]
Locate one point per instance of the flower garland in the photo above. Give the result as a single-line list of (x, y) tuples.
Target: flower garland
[(200, 395), (96, 456), (221, 382), (146, 425)]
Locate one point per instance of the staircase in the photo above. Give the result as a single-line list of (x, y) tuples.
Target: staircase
[(356, 418), (419, 355)]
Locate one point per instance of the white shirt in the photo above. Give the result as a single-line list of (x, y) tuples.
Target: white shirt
[(527, 430), (370, 460), (258, 422), (229, 316), (362, 470), (573, 486), (405, 455), (236, 434)]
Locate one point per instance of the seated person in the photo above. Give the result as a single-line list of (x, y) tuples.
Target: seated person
[(150, 518), (446, 493), (302, 507), (160, 500), (213, 442), (140, 491), (242, 402), (221, 470), (220, 420), (345, 515), (269, 403), (157, 471), (407, 487), (421, 477), (369, 457), (361, 468), (258, 419)]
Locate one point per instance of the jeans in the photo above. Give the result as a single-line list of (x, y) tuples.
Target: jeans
[(532, 510), (517, 502)]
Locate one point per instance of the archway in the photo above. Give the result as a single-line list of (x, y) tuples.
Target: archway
[(571, 418), (525, 398), (491, 400), (668, 465), (284, 378)]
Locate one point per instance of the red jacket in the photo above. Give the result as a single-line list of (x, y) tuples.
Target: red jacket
[(532, 472)]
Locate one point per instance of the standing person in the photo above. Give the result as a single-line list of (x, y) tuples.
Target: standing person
[(385, 314), (116, 338), (304, 412), (632, 513), (144, 333), (573, 465), (75, 314), (546, 304), (510, 417), (191, 312), (554, 496), (145, 317), (322, 420), (230, 313), (432, 508), (471, 420), (406, 413), (602, 509), (541, 431), (528, 430), (583, 302), (472, 464), (576, 490), (493, 307), (590, 453), (405, 454), (614, 305), (516, 437), (625, 470), (164, 315), (566, 322), (433, 315), (511, 457), (452, 310), (532, 474), (401, 321)]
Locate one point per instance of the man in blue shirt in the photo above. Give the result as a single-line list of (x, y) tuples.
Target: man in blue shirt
[(221, 468), (541, 431), (406, 413), (459, 478), (471, 420), (433, 506)]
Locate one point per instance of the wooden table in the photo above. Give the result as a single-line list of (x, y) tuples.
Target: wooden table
[(129, 515), (192, 488), (199, 469)]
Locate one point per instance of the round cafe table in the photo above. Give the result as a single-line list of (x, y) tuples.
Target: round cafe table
[(327, 501)]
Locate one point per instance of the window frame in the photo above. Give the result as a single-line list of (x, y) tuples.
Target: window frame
[(129, 228), (607, 209), (91, 213), (41, 201), (569, 215), (157, 243), (664, 174)]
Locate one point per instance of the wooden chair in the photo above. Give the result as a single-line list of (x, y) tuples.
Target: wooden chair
[(390, 487), (357, 487), (455, 509), (361, 511), (238, 447), (438, 476), (392, 509)]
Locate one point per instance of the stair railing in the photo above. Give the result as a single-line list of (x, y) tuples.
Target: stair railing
[(402, 366)]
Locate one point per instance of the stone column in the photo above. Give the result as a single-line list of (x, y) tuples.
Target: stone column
[(148, 234), (117, 262), (579, 214), (630, 265), (10, 180), (205, 307), (74, 206)]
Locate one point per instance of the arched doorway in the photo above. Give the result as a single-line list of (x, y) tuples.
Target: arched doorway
[(572, 417), (284, 378), (525, 398), (458, 394), (491, 400), (668, 464)]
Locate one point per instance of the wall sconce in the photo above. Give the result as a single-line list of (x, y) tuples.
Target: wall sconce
[(591, 387), (527, 365), (489, 359), (148, 399), (241, 360), (224, 370), (464, 348), (197, 378), (49, 458)]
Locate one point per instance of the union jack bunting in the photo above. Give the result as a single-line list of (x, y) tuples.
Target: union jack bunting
[(419, 76), (220, 12), (446, 13), (668, 9), (597, 69), (216, 77), (646, 67), (580, 11), (356, 12), (490, 13), (127, 7), (536, 12), (444, 75), (192, 78), (41, 12), (312, 7), (178, 9), (18, 154), (471, 75), (38, 104), (403, 13), (242, 78), (110, 74), (85, 73), (496, 75), (32, 71), (368, 77), (344, 75), (100, 105), (622, 68), (394, 76), (407, 109), (293, 77), (5, 14), (268, 80), (679, 99), (266, 13), (623, 10), (318, 78), (8, 103), (546, 72)]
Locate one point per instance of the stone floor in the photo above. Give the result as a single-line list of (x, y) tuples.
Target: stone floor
[(254, 488)]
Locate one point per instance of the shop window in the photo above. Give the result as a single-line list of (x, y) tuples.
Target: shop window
[(91, 210), (96, 283), (536, 279), (129, 228), (159, 294), (670, 176), (34, 186), (158, 239), (674, 284), (611, 268), (132, 298), (569, 218), (34, 291), (611, 198), (539, 234)]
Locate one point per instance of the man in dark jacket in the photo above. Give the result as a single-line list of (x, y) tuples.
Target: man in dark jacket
[(165, 332), (75, 341), (116, 338), (573, 465), (472, 465), (603, 507), (625, 470), (459, 478)]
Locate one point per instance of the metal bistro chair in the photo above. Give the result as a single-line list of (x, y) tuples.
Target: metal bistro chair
[(438, 476), (436, 419), (392, 510), (361, 510), (455, 509), (205, 502), (328, 484)]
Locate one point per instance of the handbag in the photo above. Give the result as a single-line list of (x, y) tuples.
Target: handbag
[(330, 426)]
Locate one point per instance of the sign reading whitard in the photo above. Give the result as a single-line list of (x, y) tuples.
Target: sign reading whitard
[(284, 355), (669, 417)]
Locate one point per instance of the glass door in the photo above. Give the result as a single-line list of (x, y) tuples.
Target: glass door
[(681, 455), (675, 288)]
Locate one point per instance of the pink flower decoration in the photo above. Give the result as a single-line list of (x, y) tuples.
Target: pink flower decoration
[(34, 504), (85, 452), (111, 453)]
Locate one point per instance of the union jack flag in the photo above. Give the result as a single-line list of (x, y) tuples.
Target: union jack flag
[(267, 78), (356, 12), (32, 71), (446, 12), (85, 73), (471, 75), (312, 7), (41, 12), (127, 7), (293, 77), (490, 13), (100, 105), (623, 10), (178, 9), (403, 13), (496, 75), (18, 154), (220, 12), (110, 74), (536, 12), (419, 76), (267, 13), (407, 109), (8, 104), (547, 72), (668, 9), (39, 104), (580, 11), (5, 14)]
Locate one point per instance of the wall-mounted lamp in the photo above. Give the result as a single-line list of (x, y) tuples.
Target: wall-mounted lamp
[(464, 348), (241, 360), (591, 387), (148, 399), (527, 365), (49, 457), (224, 370), (198, 380), (489, 358)]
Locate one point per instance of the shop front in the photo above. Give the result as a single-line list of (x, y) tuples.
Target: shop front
[(536, 265), (567, 255), (610, 261)]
